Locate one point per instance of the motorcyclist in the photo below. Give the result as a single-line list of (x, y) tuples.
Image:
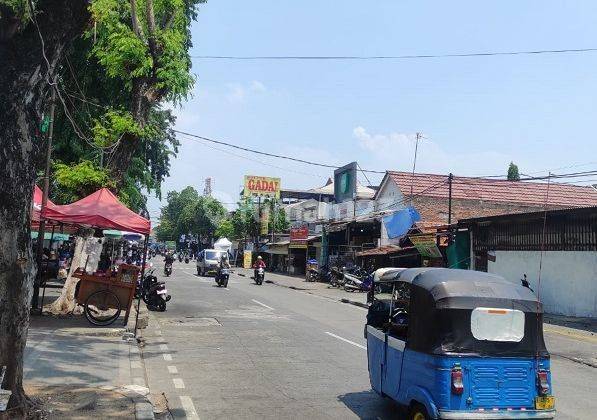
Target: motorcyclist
[(258, 264), (169, 260), (224, 262)]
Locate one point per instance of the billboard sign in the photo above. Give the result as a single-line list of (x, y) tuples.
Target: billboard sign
[(299, 236), (426, 245), (261, 186), (345, 182)]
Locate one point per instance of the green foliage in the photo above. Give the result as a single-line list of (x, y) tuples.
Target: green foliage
[(225, 229), (156, 52), (18, 8), (111, 126), (77, 181), (513, 174), (188, 212)]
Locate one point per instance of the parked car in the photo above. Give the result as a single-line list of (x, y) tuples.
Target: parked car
[(207, 262), (460, 344)]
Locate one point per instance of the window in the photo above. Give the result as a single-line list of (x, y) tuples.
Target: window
[(497, 324), (212, 255)]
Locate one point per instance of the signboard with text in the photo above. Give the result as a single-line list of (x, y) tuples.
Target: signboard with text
[(261, 186), (345, 182), (299, 236), (426, 245)]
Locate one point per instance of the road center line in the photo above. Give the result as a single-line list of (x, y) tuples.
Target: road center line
[(178, 383), (347, 341), (262, 304), (189, 407)]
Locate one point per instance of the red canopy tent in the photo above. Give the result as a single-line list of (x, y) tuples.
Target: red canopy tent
[(37, 200), (101, 210)]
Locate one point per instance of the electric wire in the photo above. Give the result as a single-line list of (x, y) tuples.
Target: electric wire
[(389, 57)]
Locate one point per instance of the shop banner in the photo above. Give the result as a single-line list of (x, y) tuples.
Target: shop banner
[(264, 221), (426, 245), (261, 186), (299, 236), (247, 259)]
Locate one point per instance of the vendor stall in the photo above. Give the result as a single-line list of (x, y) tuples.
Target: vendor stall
[(104, 294)]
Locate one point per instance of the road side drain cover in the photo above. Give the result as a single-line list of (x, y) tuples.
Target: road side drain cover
[(191, 321)]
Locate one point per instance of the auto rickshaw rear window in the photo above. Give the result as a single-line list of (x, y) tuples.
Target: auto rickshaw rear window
[(497, 324)]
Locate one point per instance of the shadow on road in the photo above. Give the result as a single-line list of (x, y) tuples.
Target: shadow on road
[(369, 405)]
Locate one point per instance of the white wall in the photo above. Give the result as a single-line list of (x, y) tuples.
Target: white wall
[(568, 278), (388, 198)]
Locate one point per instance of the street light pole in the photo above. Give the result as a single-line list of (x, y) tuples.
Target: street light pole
[(44, 202)]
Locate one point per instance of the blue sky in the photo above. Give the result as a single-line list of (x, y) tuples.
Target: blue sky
[(478, 114)]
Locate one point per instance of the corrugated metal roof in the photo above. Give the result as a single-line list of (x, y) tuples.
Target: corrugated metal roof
[(483, 189)]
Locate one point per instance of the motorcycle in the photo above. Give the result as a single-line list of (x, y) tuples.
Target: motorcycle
[(312, 275), (354, 283), (156, 295), (180, 257), (222, 277), (259, 275), (168, 269), (186, 259), (337, 277)]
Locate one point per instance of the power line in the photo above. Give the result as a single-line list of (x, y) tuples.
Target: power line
[(389, 57), (246, 149)]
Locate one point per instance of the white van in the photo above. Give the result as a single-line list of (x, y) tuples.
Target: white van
[(208, 260)]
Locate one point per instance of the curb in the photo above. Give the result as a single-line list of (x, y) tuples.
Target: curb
[(143, 318), (138, 394), (355, 303), (139, 391)]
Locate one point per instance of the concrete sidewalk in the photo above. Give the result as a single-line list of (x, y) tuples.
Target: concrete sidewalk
[(68, 351), (571, 338)]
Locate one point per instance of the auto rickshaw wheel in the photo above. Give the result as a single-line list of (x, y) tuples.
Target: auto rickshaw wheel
[(418, 412)]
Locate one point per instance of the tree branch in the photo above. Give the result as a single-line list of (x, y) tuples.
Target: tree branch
[(135, 20)]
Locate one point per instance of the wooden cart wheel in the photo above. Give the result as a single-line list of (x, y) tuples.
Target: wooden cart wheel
[(102, 307)]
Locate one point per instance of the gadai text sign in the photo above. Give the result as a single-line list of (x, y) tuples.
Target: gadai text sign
[(262, 186)]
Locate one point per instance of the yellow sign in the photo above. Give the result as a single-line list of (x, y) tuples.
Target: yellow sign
[(264, 221), (247, 259), (261, 186)]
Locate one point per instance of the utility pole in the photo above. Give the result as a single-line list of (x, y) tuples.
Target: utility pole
[(44, 202), (450, 178), (412, 180)]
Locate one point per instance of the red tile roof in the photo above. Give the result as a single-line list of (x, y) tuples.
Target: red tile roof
[(483, 189)]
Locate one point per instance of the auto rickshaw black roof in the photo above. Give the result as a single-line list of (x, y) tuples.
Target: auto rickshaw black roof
[(441, 302)]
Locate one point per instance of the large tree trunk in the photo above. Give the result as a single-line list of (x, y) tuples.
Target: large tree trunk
[(24, 96)]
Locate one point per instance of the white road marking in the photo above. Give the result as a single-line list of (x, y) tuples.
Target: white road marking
[(173, 370), (178, 383), (262, 304), (167, 357), (347, 341), (189, 407), (158, 332), (227, 289), (163, 347)]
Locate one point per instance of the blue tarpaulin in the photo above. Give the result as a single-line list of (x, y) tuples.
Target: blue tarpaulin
[(399, 222)]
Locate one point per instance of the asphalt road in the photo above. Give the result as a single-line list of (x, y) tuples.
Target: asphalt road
[(270, 352)]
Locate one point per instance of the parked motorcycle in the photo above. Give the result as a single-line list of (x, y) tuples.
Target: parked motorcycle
[(222, 277), (155, 294), (312, 275), (337, 277), (354, 283), (259, 276)]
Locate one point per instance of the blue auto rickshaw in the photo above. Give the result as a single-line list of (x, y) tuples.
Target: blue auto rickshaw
[(459, 344)]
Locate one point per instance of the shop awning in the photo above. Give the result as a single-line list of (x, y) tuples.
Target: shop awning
[(48, 236), (278, 248), (37, 200), (101, 210)]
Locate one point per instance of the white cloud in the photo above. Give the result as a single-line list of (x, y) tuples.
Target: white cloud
[(396, 151), (238, 92)]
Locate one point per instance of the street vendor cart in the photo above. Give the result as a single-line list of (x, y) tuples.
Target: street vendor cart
[(103, 295)]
